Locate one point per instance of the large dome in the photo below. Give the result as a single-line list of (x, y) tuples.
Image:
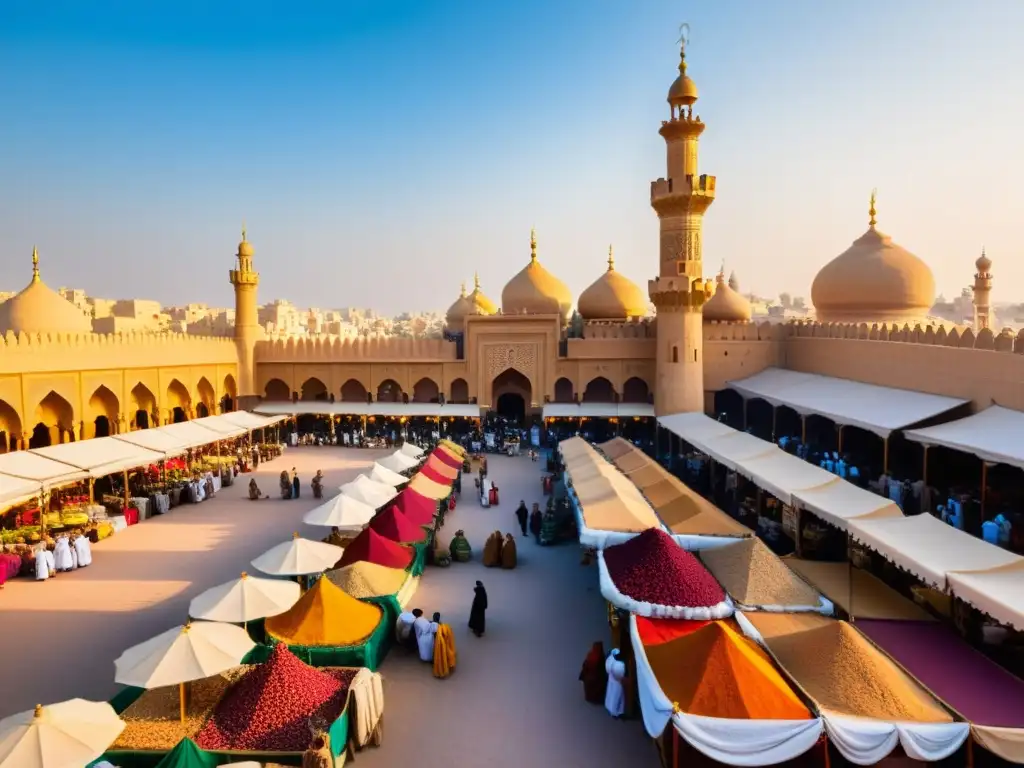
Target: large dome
[(40, 309), (480, 304), (874, 280), (456, 314), (612, 297), (727, 305), (535, 291)]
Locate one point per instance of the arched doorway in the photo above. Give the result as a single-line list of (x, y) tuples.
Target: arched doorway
[(460, 391), (425, 391), (599, 390), (511, 395), (564, 391), (227, 403), (202, 411), (315, 390), (277, 391), (389, 392), (353, 391), (10, 428), (635, 390), (103, 408), (207, 397), (178, 401), (143, 404), (40, 437), (56, 414)]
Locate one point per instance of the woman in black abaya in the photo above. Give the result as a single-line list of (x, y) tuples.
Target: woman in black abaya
[(477, 618)]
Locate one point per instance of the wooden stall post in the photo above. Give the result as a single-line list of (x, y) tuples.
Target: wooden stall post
[(127, 495), (885, 455), (744, 414), (92, 490), (675, 736), (803, 429), (44, 507), (799, 530), (775, 414), (849, 562), (984, 486), (839, 439), (924, 469)]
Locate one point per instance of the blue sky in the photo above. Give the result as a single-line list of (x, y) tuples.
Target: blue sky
[(381, 152)]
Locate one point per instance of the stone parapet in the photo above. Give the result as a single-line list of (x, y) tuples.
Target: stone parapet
[(935, 335), (334, 349)]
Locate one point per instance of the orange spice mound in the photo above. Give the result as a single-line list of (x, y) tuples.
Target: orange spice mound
[(714, 671), (325, 616)]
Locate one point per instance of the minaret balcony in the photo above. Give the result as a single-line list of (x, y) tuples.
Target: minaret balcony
[(673, 197), (239, 277)]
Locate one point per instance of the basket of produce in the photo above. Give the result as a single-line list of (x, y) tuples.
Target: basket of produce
[(651, 575)]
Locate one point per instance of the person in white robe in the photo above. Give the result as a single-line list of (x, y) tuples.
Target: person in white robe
[(84, 551), (615, 693), (404, 626), (425, 631), (51, 564), (62, 555), (42, 566)]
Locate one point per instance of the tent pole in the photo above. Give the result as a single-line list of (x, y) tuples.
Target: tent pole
[(885, 455), (839, 447), (984, 486), (181, 700), (775, 413), (849, 562), (799, 531), (803, 429), (970, 749), (127, 496), (924, 470), (92, 490), (824, 739), (675, 746)]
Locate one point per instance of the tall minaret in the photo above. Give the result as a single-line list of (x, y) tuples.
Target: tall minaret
[(678, 292), (247, 324), (983, 293)]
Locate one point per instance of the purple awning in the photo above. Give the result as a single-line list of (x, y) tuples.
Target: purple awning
[(976, 687)]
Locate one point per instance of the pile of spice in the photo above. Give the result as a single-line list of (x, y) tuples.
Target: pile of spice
[(393, 524), (325, 616), (652, 568), (269, 709), (754, 575), (153, 721), (842, 671), (364, 579)]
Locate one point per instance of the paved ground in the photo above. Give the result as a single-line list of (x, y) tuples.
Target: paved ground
[(513, 701)]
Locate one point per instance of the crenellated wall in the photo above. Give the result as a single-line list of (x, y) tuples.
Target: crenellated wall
[(66, 382), (737, 350), (335, 349), (952, 361)]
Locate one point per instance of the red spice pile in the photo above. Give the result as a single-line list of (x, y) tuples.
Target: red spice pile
[(652, 568), (268, 710)]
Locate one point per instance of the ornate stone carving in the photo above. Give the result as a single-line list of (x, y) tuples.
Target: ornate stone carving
[(672, 245), (521, 357)]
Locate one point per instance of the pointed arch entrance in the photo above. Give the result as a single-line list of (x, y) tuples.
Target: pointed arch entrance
[(511, 395), (103, 410), (144, 404)]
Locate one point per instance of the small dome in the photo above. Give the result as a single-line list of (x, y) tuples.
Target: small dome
[(612, 297), (480, 304), (874, 280), (683, 91), (726, 305), (535, 291), (984, 263), (457, 312), (40, 309), (245, 247)]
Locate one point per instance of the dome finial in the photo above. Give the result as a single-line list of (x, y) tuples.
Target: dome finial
[(684, 38), (871, 210), (533, 244), (35, 264), (243, 231), (611, 259), (476, 281), (462, 291)]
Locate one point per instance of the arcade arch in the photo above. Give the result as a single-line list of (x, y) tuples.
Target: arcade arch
[(179, 401), (564, 391), (511, 395), (314, 389), (55, 418), (277, 390), (227, 402), (599, 390), (143, 404), (102, 413), (353, 391), (10, 428), (389, 391), (459, 391), (635, 390), (425, 391)]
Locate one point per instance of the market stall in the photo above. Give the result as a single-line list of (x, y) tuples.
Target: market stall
[(721, 693), (73, 732), (392, 524), (382, 474), (393, 587), (343, 512), (868, 704), (758, 580), (855, 591), (371, 547)]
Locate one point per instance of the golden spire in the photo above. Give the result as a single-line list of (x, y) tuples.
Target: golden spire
[(684, 37), (871, 210), (611, 259), (462, 291), (243, 232), (476, 281), (533, 244), (35, 264)]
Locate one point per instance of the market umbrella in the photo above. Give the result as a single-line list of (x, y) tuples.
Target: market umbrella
[(405, 459), (245, 599), (298, 557), (364, 494), (396, 463), (385, 491), (183, 654), (342, 511), (382, 474), (66, 735)]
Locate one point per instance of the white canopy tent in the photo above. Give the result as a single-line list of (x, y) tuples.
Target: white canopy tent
[(999, 592), (324, 408), (929, 548), (155, 439), (838, 503), (397, 462), (411, 450), (783, 475), (226, 428), (191, 433), (251, 420), (382, 474), (101, 456), (695, 428), (14, 490), (737, 449), (383, 490), (995, 435), (365, 494), (880, 410), (598, 410), (47, 473)]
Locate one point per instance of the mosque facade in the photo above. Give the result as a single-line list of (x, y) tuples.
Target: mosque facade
[(59, 381)]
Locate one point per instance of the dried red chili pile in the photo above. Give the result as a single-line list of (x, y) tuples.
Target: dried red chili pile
[(269, 709), (652, 568)]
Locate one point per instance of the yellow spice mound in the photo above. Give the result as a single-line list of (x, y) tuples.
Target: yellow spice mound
[(363, 579), (325, 616)]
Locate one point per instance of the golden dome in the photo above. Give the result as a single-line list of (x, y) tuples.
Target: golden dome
[(535, 291), (245, 247), (874, 280), (683, 92), (480, 304), (984, 263), (40, 309), (457, 312), (726, 305), (612, 297)]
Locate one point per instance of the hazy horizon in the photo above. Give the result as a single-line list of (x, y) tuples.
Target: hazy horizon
[(381, 153)]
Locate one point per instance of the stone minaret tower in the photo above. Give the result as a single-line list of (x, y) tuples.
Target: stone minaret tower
[(247, 324), (983, 293), (678, 292)]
